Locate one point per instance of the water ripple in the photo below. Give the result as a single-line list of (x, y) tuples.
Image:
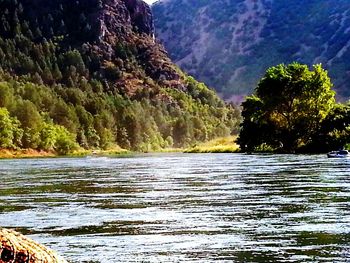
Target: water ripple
[(182, 207)]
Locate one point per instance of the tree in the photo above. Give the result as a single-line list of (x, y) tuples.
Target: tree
[(287, 109), (10, 131), (6, 95), (31, 122), (65, 142), (48, 136)]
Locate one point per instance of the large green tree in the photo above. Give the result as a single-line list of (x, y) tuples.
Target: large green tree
[(287, 109)]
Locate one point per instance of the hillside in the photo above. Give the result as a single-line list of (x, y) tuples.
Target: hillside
[(90, 74), (230, 44)]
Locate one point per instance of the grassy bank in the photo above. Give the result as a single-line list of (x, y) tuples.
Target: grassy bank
[(219, 145), (31, 153), (25, 153)]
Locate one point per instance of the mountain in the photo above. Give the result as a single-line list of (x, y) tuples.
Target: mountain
[(229, 44), (91, 74)]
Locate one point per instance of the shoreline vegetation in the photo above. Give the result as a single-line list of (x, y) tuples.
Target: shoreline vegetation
[(219, 145), (31, 153)]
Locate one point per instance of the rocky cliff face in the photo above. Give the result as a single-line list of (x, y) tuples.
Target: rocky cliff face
[(132, 15), (141, 16), (115, 35), (135, 15), (229, 44)]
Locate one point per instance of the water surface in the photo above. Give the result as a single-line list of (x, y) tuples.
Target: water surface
[(182, 207)]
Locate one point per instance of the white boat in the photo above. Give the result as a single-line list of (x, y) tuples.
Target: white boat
[(338, 154)]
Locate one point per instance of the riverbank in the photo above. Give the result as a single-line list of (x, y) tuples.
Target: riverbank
[(31, 153), (25, 153), (219, 145)]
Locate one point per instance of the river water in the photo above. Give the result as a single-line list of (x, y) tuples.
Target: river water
[(182, 207)]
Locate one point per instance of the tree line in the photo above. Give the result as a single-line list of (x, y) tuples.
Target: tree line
[(63, 118)]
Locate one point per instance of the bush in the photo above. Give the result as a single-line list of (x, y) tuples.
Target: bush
[(65, 141)]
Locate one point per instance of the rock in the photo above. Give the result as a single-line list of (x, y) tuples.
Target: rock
[(141, 16), (120, 17), (113, 17), (17, 248)]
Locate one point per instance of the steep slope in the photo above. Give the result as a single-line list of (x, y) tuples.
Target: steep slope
[(91, 72), (116, 31), (228, 44)]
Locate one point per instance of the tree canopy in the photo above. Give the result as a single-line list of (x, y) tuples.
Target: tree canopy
[(288, 109)]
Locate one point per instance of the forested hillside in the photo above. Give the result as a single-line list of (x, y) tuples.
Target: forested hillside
[(90, 74), (230, 44)]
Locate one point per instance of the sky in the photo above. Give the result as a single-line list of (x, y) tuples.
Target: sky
[(150, 1)]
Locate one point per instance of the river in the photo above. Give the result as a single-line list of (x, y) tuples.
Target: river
[(182, 207)]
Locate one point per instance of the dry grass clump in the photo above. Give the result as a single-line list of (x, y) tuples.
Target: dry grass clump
[(219, 145)]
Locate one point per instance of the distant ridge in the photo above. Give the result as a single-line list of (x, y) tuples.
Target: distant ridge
[(229, 44)]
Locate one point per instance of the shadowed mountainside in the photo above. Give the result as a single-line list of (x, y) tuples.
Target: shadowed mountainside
[(230, 44)]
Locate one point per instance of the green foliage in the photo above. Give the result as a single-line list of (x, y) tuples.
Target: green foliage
[(6, 95), (335, 130), (45, 118), (287, 112), (65, 141), (10, 131), (48, 137), (63, 85)]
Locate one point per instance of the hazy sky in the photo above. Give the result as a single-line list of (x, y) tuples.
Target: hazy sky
[(150, 1)]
